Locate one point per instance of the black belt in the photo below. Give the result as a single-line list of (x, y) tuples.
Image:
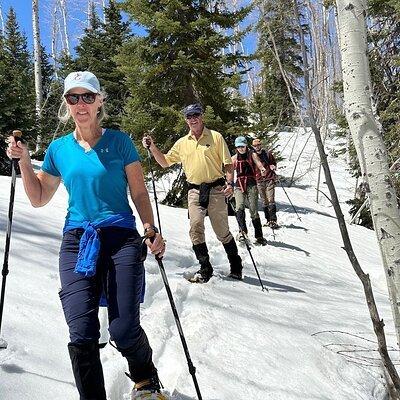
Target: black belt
[(218, 182), (204, 189)]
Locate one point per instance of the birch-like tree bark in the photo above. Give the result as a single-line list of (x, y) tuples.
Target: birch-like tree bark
[(90, 10), (368, 141), (63, 10), (104, 5), (55, 29), (37, 66), (1, 21), (378, 325)]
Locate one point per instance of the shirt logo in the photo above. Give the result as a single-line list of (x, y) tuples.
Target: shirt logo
[(104, 150)]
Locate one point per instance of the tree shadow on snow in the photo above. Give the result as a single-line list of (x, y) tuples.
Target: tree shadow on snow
[(288, 246), (275, 286), (292, 226), (15, 369), (287, 208)]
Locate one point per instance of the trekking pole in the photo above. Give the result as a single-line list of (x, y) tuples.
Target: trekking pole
[(246, 241), (294, 208), (192, 368), (14, 163), (154, 185)]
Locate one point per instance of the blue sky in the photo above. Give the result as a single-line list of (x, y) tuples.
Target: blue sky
[(24, 15), (23, 9)]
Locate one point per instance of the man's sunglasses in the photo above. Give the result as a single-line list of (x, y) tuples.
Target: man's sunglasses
[(190, 116), (73, 98)]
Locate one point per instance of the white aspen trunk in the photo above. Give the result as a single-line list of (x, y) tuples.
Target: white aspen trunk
[(90, 7), (378, 325), (37, 66), (63, 9), (55, 29), (104, 5), (392, 168), (369, 144), (1, 21)]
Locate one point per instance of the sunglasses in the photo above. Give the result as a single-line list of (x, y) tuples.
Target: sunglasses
[(73, 98), (240, 147), (190, 116)]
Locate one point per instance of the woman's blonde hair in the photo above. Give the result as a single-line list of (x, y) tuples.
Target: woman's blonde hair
[(64, 115)]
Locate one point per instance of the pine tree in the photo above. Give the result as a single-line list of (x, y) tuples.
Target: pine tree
[(271, 105), (181, 61), (17, 95)]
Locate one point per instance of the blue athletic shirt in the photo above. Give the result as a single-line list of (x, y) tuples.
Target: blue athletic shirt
[(95, 180)]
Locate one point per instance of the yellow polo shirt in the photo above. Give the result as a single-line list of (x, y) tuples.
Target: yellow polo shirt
[(203, 159)]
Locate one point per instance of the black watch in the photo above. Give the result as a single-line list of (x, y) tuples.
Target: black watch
[(150, 231)]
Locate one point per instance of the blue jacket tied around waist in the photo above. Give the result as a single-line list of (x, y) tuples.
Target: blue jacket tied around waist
[(89, 245)]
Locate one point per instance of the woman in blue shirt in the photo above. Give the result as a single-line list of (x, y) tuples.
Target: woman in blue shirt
[(101, 252)]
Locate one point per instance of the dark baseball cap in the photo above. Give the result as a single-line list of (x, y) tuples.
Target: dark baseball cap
[(192, 109)]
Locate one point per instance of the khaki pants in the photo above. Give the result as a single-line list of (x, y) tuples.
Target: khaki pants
[(266, 189), (217, 211), (251, 195)]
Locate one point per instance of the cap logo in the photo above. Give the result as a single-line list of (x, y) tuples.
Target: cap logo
[(78, 76)]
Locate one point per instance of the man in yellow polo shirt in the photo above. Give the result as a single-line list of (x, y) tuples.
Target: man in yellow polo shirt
[(205, 159)]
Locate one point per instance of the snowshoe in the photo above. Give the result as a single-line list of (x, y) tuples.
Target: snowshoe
[(242, 237), (273, 225), (260, 241), (149, 389), (197, 277), (236, 275), (148, 395)]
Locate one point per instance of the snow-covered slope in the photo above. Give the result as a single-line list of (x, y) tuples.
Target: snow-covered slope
[(308, 337)]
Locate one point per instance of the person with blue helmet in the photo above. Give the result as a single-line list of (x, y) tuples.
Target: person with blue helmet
[(246, 163), (102, 253)]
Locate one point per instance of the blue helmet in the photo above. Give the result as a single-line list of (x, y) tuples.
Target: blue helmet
[(240, 141)]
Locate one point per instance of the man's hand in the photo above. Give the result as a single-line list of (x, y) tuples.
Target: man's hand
[(272, 167), (228, 190), (147, 141), (263, 171)]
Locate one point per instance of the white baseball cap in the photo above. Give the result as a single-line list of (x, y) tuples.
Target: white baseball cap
[(81, 79)]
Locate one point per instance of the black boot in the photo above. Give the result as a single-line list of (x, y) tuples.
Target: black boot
[(206, 269), (266, 213), (88, 372), (151, 385), (139, 359), (235, 261), (272, 212), (258, 231), (241, 219)]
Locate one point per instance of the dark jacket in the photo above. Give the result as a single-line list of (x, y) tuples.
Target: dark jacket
[(267, 159)]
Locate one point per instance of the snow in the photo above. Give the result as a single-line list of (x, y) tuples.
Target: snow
[(308, 337)]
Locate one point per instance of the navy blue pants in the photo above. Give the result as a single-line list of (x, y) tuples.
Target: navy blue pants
[(120, 274)]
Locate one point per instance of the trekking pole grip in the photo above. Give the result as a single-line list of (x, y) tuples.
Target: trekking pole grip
[(17, 134)]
